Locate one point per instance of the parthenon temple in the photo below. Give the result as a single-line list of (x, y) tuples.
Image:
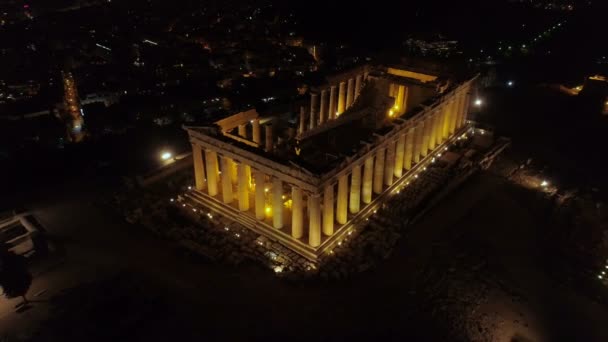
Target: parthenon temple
[(304, 179)]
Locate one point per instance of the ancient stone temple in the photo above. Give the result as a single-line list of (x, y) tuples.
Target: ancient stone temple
[(306, 183)]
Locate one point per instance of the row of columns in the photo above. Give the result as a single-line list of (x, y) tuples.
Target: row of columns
[(398, 154), (338, 199), (224, 177), (330, 103), (256, 134)]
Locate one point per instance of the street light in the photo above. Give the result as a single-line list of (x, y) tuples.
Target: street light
[(478, 102), (510, 83), (166, 155)]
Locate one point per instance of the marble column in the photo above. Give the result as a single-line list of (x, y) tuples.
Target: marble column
[(341, 98), (426, 135), (463, 104), (399, 156), (355, 189), (277, 203), (445, 129), (199, 167), (389, 168), (453, 115), (332, 103), (341, 206), (350, 94), (255, 128), (439, 126), (314, 109), (409, 148), (243, 188), (212, 172), (432, 135), (460, 110), (467, 103), (269, 138), (358, 85), (227, 195), (323, 110), (328, 210), (314, 221), (379, 170), (233, 172), (368, 174), (418, 141), (243, 131), (297, 218), (260, 200)]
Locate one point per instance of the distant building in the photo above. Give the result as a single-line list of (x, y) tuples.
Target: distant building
[(71, 111)]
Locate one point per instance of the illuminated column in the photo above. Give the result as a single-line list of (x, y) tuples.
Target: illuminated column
[(358, 84), (243, 188), (461, 98), (418, 141), (199, 167), (399, 154), (297, 218), (463, 105), (399, 101), (439, 126), (453, 115), (332, 103), (269, 138), (255, 128), (431, 126), (390, 163), (328, 210), (467, 103), (314, 108), (243, 131), (277, 203), (350, 94), (234, 177), (355, 189), (302, 125), (409, 148), (341, 214), (226, 180), (341, 98), (260, 201), (379, 170), (368, 174), (323, 110), (445, 129), (426, 135), (314, 221), (211, 159)]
